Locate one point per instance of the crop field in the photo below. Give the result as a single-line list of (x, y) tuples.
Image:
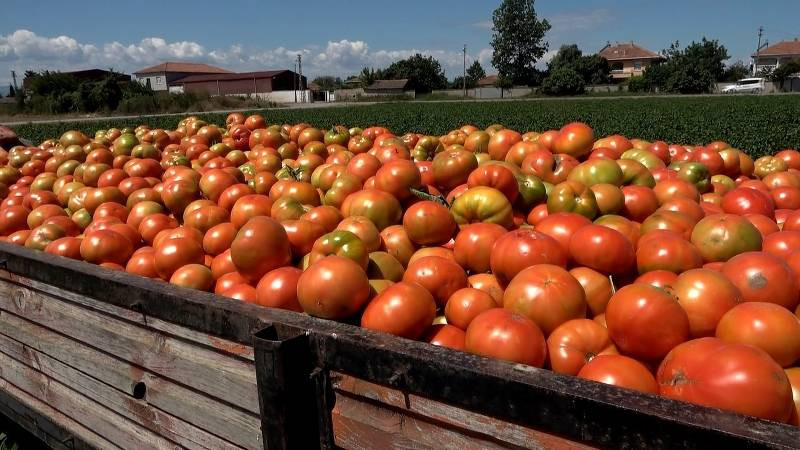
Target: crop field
[(755, 124)]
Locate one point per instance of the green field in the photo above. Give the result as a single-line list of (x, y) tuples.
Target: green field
[(757, 124)]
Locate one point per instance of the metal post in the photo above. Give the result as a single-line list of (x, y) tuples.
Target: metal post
[(758, 49), (300, 76), (295, 397), (464, 78)]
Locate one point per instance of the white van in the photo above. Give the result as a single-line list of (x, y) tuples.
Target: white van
[(750, 85)]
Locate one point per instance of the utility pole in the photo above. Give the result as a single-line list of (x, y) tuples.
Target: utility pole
[(294, 81), (758, 49), (14, 77), (464, 78), (300, 73)]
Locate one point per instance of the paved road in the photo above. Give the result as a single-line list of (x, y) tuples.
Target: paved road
[(351, 104)]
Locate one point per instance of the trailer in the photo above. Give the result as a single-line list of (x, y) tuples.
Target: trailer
[(96, 358)]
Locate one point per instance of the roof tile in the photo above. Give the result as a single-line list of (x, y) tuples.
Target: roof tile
[(180, 66)]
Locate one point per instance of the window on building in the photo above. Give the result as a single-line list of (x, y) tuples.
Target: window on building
[(159, 80), (637, 65)]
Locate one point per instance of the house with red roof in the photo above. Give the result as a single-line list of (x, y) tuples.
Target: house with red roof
[(628, 59), (771, 57)]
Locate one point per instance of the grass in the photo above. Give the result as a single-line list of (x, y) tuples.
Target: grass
[(756, 124)]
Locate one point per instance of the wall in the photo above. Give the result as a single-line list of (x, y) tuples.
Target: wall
[(229, 87), (158, 81), (607, 88), (345, 95)]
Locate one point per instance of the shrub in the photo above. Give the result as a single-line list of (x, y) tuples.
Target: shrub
[(563, 81), (638, 84)]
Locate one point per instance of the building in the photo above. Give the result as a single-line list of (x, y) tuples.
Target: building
[(489, 81), (276, 85), (402, 86), (87, 75), (771, 57), (161, 76), (628, 59)]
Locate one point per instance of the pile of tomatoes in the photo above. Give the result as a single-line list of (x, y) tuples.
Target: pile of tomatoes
[(668, 269)]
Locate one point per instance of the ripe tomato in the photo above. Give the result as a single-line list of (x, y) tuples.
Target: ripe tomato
[(429, 223), (496, 176), (523, 248), (193, 276), (219, 238), (106, 246), (465, 304), (546, 294), (473, 245), (748, 201), (621, 371), (734, 377), (260, 246), (482, 204), (640, 202), (602, 249), (503, 334), (596, 286), (782, 243), (706, 296), (574, 139), (645, 322), (404, 309), (333, 288), (382, 208), (768, 326), (723, 236), (446, 336), (574, 343), (762, 277), (172, 254), (666, 250), (561, 226), (442, 277)]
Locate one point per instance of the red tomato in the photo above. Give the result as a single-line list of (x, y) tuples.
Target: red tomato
[(561, 226), (429, 223), (106, 246), (762, 277), (734, 377), (748, 201), (666, 250), (473, 245), (442, 277), (596, 286), (645, 322), (465, 304), (403, 309), (333, 288), (602, 249), (574, 343), (503, 334), (782, 243), (175, 253), (193, 276), (621, 371), (523, 248), (260, 246), (658, 278), (546, 294), (706, 295), (446, 336), (723, 236), (768, 326)]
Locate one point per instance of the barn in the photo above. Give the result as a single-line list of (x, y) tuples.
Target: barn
[(276, 85)]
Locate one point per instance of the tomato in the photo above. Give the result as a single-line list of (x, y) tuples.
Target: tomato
[(729, 376), (103, 246), (645, 322), (193, 276), (621, 371), (546, 294), (706, 296), (333, 288), (465, 304), (635, 173), (669, 220), (666, 250), (549, 167), (473, 245), (782, 243), (768, 326), (364, 229), (602, 249), (403, 309), (500, 143), (748, 201), (793, 375), (278, 289), (172, 254), (763, 277), (561, 226), (610, 199), (482, 204), (597, 171), (640, 202), (260, 246), (13, 218), (142, 263), (153, 224), (340, 243), (786, 197), (440, 276), (574, 139), (382, 208), (496, 176), (572, 196), (446, 336), (574, 343), (384, 266), (398, 177), (723, 236), (503, 334), (67, 246), (429, 223), (453, 167), (596, 286), (523, 248)]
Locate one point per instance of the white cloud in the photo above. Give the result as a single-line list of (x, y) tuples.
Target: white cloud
[(579, 21), (23, 50), (484, 24)]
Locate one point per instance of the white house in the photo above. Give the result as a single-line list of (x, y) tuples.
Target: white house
[(772, 57)]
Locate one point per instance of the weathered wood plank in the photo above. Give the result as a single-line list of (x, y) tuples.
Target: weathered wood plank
[(361, 425), (453, 417), (223, 345), (99, 419), (223, 420), (208, 371), (136, 410), (54, 428)]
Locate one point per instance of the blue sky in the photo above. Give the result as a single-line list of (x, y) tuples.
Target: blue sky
[(253, 35)]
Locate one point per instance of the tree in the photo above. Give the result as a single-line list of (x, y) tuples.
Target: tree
[(367, 76), (425, 72), (785, 71), (518, 40), (689, 79), (735, 72), (475, 73), (594, 69), (11, 91), (706, 55), (563, 81), (328, 83), (693, 69)]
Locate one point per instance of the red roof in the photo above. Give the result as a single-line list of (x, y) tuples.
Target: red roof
[(230, 76), (785, 48), (628, 50), (182, 67), (488, 81)]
